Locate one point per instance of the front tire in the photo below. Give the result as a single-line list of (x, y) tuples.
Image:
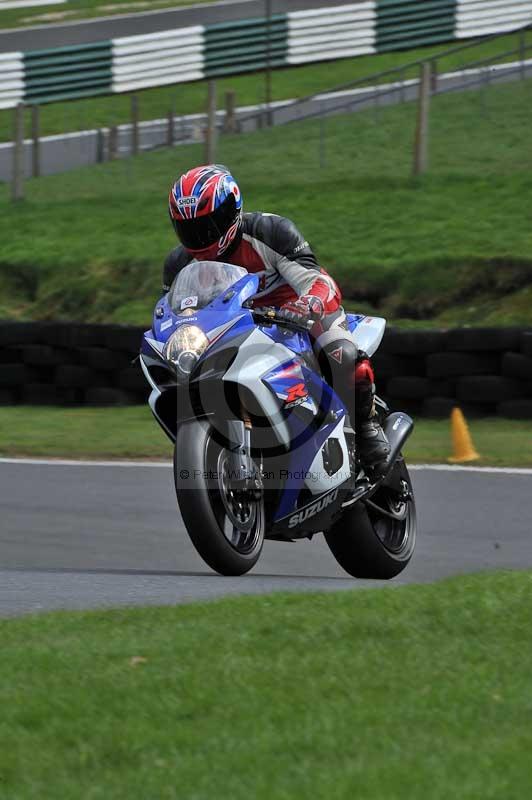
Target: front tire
[(227, 533), (370, 544)]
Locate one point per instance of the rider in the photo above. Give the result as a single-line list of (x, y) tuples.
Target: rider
[(205, 206)]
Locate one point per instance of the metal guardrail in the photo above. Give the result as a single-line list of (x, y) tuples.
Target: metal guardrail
[(484, 17), (402, 23), (67, 72), (158, 59), (326, 33), (245, 46)]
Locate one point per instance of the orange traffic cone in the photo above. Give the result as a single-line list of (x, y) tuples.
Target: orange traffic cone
[(463, 449)]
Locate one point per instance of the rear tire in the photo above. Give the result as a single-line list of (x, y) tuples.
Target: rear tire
[(203, 495), (368, 544)]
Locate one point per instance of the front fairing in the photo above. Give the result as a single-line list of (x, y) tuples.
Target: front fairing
[(266, 362), (225, 313)]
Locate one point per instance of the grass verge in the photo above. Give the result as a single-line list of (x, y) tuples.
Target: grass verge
[(131, 432), (454, 247), (413, 692), (191, 98), (74, 10)]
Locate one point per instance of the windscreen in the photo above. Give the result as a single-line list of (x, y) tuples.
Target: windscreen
[(200, 282)]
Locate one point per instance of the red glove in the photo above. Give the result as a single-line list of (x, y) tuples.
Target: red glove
[(305, 307)]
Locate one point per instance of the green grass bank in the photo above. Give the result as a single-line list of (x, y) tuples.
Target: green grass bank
[(132, 433), (404, 693), (191, 98), (452, 248)]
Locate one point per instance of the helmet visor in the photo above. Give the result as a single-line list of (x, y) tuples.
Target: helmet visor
[(201, 232)]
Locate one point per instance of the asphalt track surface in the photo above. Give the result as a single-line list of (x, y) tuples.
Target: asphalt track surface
[(76, 536), (145, 22)]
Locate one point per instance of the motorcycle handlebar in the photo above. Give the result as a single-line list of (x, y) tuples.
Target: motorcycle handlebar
[(270, 316)]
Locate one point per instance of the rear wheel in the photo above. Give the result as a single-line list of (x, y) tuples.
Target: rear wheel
[(376, 539), (226, 527)]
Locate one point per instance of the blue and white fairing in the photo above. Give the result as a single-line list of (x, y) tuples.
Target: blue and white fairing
[(223, 314), (275, 366)]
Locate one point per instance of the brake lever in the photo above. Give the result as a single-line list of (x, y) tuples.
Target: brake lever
[(266, 315)]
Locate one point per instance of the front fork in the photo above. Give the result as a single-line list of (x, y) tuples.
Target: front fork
[(245, 478)]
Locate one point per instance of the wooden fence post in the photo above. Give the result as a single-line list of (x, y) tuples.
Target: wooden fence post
[(134, 125), (36, 143), (323, 141), (210, 132), (421, 150), (112, 143), (100, 146), (170, 129), (268, 70), (230, 112), (17, 184), (434, 76), (522, 54)]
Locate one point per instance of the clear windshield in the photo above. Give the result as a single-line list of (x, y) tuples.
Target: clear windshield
[(200, 282)]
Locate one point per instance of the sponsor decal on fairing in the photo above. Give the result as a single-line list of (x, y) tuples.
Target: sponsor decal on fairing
[(296, 395), (314, 508), (189, 302)]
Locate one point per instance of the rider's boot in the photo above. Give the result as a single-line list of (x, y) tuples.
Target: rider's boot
[(350, 372), (372, 444)]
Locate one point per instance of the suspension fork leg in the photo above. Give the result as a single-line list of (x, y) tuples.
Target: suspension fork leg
[(243, 473)]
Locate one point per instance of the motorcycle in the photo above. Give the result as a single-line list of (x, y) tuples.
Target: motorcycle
[(263, 446)]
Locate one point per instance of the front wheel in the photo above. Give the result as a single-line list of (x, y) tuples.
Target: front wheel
[(226, 528), (376, 539)]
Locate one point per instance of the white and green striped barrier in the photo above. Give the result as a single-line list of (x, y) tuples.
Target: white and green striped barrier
[(207, 51), (156, 59), (484, 17), (341, 32), (12, 81)]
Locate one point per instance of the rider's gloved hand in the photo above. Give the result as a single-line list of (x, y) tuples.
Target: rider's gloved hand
[(305, 307)]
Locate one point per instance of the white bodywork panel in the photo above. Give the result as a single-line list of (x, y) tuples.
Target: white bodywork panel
[(257, 356), (318, 480), (368, 334)]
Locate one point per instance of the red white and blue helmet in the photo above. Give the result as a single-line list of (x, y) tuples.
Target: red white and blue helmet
[(205, 207)]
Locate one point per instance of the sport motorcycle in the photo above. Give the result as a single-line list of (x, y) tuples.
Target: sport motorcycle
[(263, 445)]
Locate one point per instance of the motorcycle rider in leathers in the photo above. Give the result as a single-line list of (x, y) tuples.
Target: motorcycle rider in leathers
[(205, 207)]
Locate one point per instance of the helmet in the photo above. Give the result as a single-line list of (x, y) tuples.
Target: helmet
[(205, 207)]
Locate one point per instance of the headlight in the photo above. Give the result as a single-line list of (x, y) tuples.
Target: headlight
[(184, 347)]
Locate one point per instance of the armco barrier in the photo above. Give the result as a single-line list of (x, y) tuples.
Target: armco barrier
[(244, 46), (11, 79), (68, 72), (484, 17), (158, 58), (297, 37), (486, 371), (402, 23), (325, 33)]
